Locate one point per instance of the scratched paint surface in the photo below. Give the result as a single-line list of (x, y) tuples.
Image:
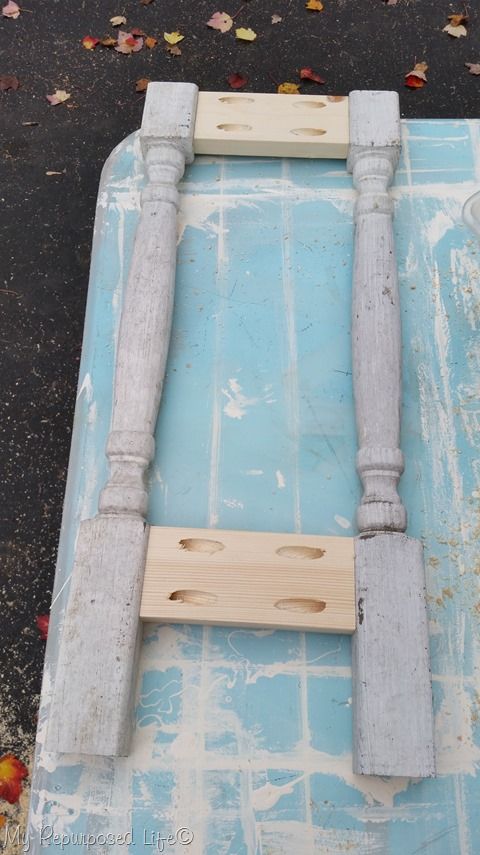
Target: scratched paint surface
[(244, 737)]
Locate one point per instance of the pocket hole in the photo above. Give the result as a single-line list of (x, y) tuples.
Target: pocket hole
[(230, 128), (308, 132), (308, 552), (300, 604), (231, 99), (201, 544), (336, 98), (194, 598), (310, 105)]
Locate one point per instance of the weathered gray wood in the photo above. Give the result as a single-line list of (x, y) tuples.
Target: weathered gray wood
[(393, 729), (392, 702), (92, 699)]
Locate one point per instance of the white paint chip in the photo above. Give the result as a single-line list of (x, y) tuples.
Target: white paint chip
[(342, 521)]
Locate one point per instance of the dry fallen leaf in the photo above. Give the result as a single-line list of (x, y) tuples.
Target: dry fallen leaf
[(127, 43), (48, 172), (309, 74), (473, 67), (58, 97), (90, 42), (118, 20), (277, 19), (456, 32), (8, 81), (456, 19), (11, 10), (146, 2), (108, 41), (456, 27), (288, 89), (44, 620), (245, 34), (12, 773), (220, 21), (173, 38), (314, 5), (237, 81), (150, 42), (141, 85), (174, 50), (416, 78)]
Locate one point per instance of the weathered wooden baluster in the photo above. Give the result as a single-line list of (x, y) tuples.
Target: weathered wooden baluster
[(91, 706), (393, 728)]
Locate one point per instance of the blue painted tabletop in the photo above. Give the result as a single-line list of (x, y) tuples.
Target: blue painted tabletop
[(243, 737)]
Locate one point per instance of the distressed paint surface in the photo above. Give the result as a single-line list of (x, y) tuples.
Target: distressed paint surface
[(244, 737)]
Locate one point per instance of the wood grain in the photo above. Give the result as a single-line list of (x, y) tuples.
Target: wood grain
[(271, 125), (245, 578)]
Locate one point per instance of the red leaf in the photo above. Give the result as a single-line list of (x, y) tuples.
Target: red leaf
[(237, 81), (42, 623), (90, 42), (414, 82), (309, 74), (12, 772)]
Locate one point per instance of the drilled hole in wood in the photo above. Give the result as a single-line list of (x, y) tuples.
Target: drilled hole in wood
[(229, 128), (308, 132), (229, 99), (309, 105), (194, 598), (300, 604), (306, 552), (201, 544)]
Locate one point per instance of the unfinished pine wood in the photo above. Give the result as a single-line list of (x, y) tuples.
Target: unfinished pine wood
[(91, 711), (245, 578), (392, 696), (271, 125)]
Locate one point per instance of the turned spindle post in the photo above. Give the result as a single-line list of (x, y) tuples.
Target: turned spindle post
[(95, 679), (393, 727)]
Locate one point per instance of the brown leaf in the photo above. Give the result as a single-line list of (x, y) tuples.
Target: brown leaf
[(237, 81), (314, 5), (108, 41), (150, 42), (473, 67), (457, 19), (141, 84), (146, 2), (309, 74), (8, 81), (174, 50)]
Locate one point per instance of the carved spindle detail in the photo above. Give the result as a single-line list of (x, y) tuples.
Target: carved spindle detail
[(144, 336), (91, 710), (376, 340)]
